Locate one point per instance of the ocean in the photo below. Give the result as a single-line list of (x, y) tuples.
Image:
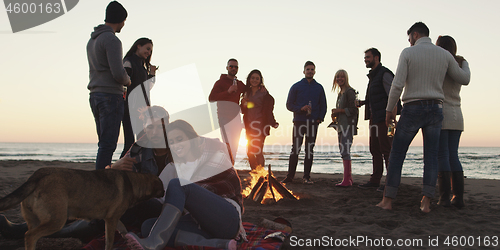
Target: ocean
[(478, 162)]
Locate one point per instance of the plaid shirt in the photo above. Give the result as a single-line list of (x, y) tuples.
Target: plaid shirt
[(227, 183)]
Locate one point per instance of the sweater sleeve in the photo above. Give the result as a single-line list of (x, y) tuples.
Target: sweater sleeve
[(460, 75), (128, 67), (398, 82), (114, 56), (322, 105), (269, 108), (291, 99), (218, 93), (351, 108)]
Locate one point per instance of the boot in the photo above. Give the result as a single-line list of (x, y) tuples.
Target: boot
[(184, 238), (160, 233), (11, 230), (347, 181), (458, 189), (444, 185)]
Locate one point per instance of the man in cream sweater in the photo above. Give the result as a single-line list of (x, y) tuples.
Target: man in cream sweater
[(421, 71)]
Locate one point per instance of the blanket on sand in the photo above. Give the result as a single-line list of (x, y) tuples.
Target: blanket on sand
[(255, 237)]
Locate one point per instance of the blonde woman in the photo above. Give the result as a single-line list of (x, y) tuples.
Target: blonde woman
[(346, 114)]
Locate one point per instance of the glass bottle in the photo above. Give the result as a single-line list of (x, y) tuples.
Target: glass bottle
[(356, 102), (391, 129)]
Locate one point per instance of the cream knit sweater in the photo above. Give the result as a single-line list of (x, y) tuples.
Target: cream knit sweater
[(421, 72), (452, 112)]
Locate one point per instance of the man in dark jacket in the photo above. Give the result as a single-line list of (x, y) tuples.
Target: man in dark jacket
[(107, 78), (377, 92), (307, 100)]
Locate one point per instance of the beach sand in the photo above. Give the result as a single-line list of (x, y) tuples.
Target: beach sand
[(328, 216)]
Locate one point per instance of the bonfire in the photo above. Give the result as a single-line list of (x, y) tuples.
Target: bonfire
[(264, 188)]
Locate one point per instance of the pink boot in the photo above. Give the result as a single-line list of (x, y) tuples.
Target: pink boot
[(347, 181)]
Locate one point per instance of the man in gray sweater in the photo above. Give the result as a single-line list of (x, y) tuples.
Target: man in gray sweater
[(107, 79), (421, 71)]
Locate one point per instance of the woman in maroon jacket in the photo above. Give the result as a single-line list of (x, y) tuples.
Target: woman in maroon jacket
[(257, 107)]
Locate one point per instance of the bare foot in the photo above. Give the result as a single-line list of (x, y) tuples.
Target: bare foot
[(132, 242), (425, 204), (233, 245), (386, 203)]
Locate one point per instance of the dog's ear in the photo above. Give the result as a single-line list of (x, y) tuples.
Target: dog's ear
[(146, 186)]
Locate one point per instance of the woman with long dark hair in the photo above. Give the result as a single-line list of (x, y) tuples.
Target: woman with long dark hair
[(450, 168), (137, 63), (257, 107)]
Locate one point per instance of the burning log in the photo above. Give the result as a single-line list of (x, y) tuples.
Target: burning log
[(262, 192), (267, 188), (256, 188), (280, 189)]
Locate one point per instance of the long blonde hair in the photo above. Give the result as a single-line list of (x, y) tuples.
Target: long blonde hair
[(335, 84)]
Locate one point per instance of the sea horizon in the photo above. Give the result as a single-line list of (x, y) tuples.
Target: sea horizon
[(477, 162)]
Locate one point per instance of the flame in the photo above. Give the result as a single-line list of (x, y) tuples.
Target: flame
[(255, 174)]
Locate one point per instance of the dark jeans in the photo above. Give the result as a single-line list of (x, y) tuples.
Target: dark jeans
[(429, 117), (309, 130), (128, 133), (108, 114), (380, 148), (210, 215), (136, 215), (255, 149), (448, 151)]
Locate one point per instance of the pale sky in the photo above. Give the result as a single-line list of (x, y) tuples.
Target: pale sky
[(44, 96)]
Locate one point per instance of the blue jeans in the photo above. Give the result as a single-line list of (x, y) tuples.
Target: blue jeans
[(308, 129), (108, 114), (429, 117), (216, 217), (448, 151)]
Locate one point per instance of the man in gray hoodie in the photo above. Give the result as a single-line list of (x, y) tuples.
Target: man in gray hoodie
[(107, 79)]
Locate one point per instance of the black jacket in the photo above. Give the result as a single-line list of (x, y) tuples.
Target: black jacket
[(376, 97)]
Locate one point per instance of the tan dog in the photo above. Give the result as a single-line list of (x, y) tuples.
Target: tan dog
[(53, 195)]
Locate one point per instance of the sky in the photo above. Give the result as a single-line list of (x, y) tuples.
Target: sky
[(44, 70)]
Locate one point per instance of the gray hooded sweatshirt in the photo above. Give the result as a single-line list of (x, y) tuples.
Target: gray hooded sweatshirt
[(104, 52)]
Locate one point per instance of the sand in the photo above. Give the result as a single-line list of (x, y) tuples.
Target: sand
[(331, 217)]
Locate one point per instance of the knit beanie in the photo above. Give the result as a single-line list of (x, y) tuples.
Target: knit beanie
[(115, 13)]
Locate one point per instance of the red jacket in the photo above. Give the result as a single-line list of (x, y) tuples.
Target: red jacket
[(219, 91)]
